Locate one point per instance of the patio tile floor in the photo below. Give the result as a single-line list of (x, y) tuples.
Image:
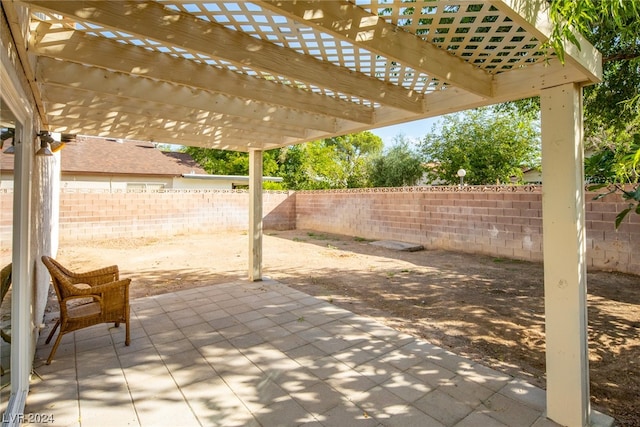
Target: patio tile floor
[(263, 354)]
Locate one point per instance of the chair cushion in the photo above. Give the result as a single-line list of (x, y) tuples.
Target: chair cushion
[(84, 310)]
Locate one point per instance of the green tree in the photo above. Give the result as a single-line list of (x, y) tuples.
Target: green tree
[(612, 108), (614, 162), (613, 27), (322, 167), (222, 162), (353, 153), (339, 162), (491, 145), (400, 165), (292, 162), (613, 169)]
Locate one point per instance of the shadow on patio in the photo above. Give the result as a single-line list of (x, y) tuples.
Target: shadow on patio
[(264, 354)]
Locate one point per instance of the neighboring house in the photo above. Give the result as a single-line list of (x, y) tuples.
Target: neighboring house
[(110, 164), (424, 180), (532, 176), (529, 176), (99, 163)]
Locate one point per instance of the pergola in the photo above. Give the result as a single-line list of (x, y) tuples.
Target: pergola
[(252, 76)]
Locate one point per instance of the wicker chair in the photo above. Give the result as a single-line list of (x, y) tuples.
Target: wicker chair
[(5, 284), (88, 299)]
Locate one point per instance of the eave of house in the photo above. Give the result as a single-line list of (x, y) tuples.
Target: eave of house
[(235, 178)]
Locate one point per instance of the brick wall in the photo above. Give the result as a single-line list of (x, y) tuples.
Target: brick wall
[(490, 220), (97, 215)]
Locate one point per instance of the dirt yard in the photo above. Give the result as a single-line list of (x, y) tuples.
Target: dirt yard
[(486, 308)]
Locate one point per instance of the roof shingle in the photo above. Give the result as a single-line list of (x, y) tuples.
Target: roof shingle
[(91, 155)]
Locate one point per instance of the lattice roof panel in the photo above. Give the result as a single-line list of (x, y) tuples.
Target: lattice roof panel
[(475, 31), (281, 72)]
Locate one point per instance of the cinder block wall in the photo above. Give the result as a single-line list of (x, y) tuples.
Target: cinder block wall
[(489, 220), (608, 248), (495, 221), (98, 215)]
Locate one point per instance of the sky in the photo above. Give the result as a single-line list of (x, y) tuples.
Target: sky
[(413, 131)]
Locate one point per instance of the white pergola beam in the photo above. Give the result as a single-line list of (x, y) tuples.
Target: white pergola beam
[(69, 45), (347, 21), (127, 130), (98, 80), (61, 114), (170, 126), (516, 84), (151, 20), (109, 127), (70, 102), (564, 247)]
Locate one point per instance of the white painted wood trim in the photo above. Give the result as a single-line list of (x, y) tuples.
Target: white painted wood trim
[(22, 346)]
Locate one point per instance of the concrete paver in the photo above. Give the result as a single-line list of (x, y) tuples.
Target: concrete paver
[(263, 354)]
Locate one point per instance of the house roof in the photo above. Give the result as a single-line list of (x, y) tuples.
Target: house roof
[(265, 74), (103, 156), (92, 155)]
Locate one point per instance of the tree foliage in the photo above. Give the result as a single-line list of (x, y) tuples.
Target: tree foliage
[(399, 166), (353, 153), (614, 163), (222, 162), (339, 162), (612, 108), (490, 145), (613, 27)]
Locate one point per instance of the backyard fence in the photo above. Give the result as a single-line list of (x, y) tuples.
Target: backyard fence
[(501, 221)]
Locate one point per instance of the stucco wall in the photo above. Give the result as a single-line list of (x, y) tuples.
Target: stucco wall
[(126, 182), (109, 182), (46, 193)]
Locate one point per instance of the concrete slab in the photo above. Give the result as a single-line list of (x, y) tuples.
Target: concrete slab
[(398, 246)]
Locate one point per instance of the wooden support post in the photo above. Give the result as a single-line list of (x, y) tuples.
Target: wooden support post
[(255, 215), (565, 280)]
